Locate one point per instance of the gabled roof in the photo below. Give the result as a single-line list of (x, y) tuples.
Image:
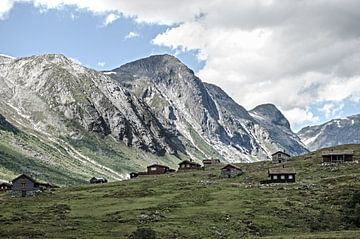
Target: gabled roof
[(337, 152), (278, 152), (157, 165), (26, 176), (6, 184), (189, 162), (282, 170), (230, 166), (98, 178)]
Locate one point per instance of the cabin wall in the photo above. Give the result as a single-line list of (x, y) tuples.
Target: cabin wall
[(156, 170), (282, 178), (25, 185)]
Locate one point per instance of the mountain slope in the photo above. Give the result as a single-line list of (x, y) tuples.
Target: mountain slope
[(332, 133), (81, 110), (187, 106)]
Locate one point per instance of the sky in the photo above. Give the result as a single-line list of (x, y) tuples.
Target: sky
[(301, 55)]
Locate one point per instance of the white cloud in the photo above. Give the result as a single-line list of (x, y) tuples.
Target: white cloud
[(332, 110), (5, 7), (300, 116), (101, 64), (75, 60), (111, 18), (131, 35)]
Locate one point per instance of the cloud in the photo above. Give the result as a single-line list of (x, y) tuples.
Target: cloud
[(332, 110), (5, 7), (131, 35), (290, 53), (111, 18), (75, 60), (101, 64), (300, 116)]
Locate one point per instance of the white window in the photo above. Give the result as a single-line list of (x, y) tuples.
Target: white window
[(282, 176), (153, 169), (188, 165), (275, 177), (290, 177)]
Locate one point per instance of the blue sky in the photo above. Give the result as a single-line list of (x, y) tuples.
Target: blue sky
[(301, 56)]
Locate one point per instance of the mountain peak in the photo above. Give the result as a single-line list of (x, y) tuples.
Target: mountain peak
[(153, 65), (270, 112)]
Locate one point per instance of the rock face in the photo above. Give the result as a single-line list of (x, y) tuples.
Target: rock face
[(50, 92), (332, 133), (203, 115)]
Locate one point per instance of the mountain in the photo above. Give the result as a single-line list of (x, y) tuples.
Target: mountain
[(205, 119), (74, 121), (332, 133), (63, 122)]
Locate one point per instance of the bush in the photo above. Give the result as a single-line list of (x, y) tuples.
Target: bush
[(143, 233), (352, 210)]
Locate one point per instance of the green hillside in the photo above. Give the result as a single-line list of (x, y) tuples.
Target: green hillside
[(323, 203)]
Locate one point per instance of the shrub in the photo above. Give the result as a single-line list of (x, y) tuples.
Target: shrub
[(143, 233)]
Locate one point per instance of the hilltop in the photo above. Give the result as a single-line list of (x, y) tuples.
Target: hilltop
[(323, 203)]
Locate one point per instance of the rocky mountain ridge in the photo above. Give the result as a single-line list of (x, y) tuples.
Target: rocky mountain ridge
[(332, 133), (184, 103)]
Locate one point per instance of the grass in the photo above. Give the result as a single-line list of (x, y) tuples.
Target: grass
[(196, 204)]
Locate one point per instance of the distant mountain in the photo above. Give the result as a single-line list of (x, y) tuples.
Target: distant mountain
[(332, 133), (203, 115)]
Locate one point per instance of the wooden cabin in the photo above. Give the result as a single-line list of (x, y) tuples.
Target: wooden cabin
[(281, 175), (95, 180), (24, 185), (337, 156), (209, 162), (189, 165), (280, 157), (158, 169), (5, 186), (230, 171)]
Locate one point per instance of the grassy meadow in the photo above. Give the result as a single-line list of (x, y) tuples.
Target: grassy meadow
[(323, 203)]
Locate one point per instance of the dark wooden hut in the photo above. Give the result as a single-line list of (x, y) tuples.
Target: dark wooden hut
[(189, 165), (230, 171), (281, 175), (280, 157), (337, 156)]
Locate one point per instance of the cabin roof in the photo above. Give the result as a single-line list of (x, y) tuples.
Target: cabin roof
[(230, 166), (98, 178), (26, 176), (282, 152), (189, 162), (157, 165), (282, 171), (6, 184), (337, 152)]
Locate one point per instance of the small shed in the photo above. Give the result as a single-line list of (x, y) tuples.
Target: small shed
[(281, 175), (208, 162), (337, 156), (5, 186), (230, 171), (280, 157), (95, 180), (134, 174), (158, 169), (189, 165), (24, 185)]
